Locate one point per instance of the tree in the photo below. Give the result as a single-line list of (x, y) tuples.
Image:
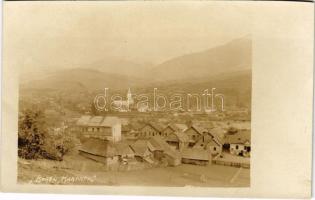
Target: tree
[(35, 142), (31, 133)]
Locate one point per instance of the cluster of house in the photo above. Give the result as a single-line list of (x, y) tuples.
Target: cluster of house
[(104, 139), (183, 136), (153, 151)]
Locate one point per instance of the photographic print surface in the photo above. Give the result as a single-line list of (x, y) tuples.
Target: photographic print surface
[(136, 95)]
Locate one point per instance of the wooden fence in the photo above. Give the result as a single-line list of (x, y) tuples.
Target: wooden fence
[(229, 163)]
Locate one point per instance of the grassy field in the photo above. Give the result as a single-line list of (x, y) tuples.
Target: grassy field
[(78, 170)]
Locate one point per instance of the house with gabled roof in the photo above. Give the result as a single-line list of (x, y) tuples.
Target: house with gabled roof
[(151, 129), (210, 142), (178, 140), (106, 128), (194, 133), (239, 142), (172, 156), (162, 150), (157, 146)]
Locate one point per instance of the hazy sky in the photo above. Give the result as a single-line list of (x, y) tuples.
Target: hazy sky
[(66, 34)]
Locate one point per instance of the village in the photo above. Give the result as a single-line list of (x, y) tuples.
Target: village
[(127, 146), (188, 145), (131, 143), (120, 149), (130, 149)]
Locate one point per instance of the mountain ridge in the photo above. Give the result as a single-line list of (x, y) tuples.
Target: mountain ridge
[(232, 56), (215, 64)]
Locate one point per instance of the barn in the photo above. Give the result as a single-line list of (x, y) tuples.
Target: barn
[(99, 150), (196, 156)]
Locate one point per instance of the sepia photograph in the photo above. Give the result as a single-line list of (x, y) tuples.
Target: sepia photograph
[(142, 96), (158, 98)]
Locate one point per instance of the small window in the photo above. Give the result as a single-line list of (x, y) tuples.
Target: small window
[(236, 147), (214, 148), (98, 129)]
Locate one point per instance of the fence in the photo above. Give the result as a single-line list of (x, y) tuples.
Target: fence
[(230, 163)]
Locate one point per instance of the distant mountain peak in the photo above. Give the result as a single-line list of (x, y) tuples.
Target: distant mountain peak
[(231, 56)]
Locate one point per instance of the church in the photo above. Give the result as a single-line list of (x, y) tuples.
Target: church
[(124, 105)]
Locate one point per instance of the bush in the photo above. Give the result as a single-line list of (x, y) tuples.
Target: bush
[(34, 141)]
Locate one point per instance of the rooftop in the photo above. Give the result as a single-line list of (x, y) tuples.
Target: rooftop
[(140, 147), (177, 127), (87, 120), (123, 148), (196, 154), (197, 128), (157, 126), (98, 147), (240, 137), (182, 137)]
